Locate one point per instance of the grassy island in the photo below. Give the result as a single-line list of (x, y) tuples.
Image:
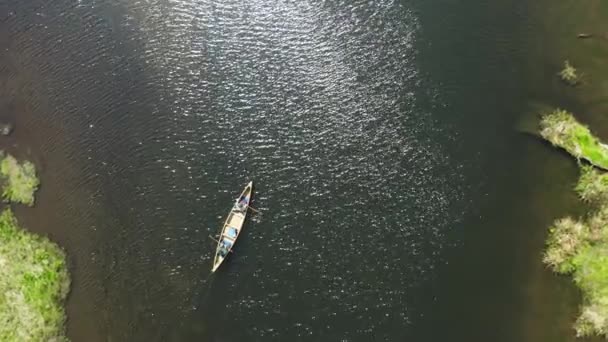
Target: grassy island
[(34, 282), (580, 247), (19, 180), (562, 130)]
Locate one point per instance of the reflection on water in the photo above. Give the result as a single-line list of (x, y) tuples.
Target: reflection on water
[(168, 108)]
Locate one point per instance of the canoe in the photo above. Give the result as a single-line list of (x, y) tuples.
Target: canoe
[(232, 227)]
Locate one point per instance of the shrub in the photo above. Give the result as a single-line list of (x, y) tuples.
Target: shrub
[(592, 186), (20, 181), (34, 282), (565, 237)]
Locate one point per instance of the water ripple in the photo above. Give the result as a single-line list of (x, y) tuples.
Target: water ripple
[(319, 102)]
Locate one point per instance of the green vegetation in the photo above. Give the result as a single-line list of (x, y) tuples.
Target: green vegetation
[(569, 74), (592, 186), (20, 181), (565, 237), (591, 276), (34, 282), (562, 130), (580, 247)]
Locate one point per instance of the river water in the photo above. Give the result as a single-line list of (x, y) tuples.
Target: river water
[(397, 200)]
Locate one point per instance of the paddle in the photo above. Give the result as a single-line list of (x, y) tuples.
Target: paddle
[(255, 210), (211, 237)]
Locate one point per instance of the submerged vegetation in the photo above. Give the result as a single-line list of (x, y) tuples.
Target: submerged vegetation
[(580, 247), (34, 283), (562, 130), (569, 74), (20, 181)]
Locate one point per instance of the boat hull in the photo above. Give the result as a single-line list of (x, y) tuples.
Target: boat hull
[(232, 227)]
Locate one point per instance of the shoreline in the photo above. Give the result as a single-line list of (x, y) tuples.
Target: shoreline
[(35, 283), (34, 278), (579, 247), (572, 78)]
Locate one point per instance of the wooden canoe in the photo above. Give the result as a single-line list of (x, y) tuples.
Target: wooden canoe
[(232, 227)]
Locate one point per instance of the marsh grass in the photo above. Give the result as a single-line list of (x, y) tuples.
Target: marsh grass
[(592, 185), (591, 276), (569, 74), (565, 238), (580, 248), (562, 130), (20, 180), (34, 282)]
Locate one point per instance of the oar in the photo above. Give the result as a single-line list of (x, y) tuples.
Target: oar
[(211, 237), (254, 209)]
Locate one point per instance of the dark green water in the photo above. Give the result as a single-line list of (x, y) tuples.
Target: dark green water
[(399, 202)]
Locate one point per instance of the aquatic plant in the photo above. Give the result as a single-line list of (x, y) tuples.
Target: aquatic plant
[(598, 226), (569, 74), (34, 282), (565, 237), (20, 181), (592, 185), (592, 320), (591, 276), (580, 247), (562, 130)]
